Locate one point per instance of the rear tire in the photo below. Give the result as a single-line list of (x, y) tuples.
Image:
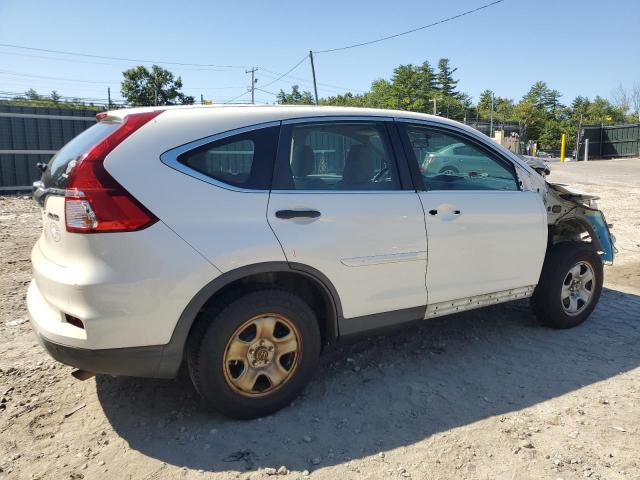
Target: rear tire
[(570, 285), (254, 356)]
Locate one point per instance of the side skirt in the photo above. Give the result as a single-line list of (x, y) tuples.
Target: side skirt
[(469, 303), (382, 322)]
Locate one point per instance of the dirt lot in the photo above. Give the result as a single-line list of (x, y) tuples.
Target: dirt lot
[(487, 394)]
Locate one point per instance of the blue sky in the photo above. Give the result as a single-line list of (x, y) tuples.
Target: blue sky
[(579, 47)]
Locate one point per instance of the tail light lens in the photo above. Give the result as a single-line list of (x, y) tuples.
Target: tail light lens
[(94, 201)]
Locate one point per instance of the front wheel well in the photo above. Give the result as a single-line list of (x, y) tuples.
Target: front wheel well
[(573, 230)]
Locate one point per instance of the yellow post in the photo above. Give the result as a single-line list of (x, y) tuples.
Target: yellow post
[(562, 146)]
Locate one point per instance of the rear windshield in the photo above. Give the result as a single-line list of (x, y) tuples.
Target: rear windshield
[(57, 172)]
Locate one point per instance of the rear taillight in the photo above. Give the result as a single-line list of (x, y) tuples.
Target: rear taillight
[(94, 201)]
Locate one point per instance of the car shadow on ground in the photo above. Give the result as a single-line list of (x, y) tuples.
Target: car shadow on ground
[(384, 392)]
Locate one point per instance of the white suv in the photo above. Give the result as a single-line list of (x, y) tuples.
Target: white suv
[(241, 240)]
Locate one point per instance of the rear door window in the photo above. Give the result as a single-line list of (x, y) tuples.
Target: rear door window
[(338, 156), (244, 160), (62, 163)]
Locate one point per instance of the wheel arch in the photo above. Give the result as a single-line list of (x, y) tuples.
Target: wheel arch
[(571, 229), (313, 286)]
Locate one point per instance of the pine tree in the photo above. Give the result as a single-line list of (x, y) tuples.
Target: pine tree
[(446, 83)]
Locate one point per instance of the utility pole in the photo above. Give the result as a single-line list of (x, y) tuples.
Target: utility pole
[(109, 98), (578, 138), (201, 99), (253, 83), (313, 73), (491, 118), (434, 106)]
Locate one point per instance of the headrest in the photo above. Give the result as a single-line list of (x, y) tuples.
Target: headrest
[(359, 166), (304, 162)]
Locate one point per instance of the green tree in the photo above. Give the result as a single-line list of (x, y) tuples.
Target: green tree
[(551, 134), (446, 83), (600, 110), (579, 107), (551, 100), (484, 102), (405, 85), (537, 94), (295, 97), (382, 95), (531, 119), (31, 94), (54, 96), (345, 100), (427, 83), (503, 108), (143, 87)]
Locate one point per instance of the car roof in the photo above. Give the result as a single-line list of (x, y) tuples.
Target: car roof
[(290, 111)]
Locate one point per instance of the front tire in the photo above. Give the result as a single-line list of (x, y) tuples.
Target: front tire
[(570, 285), (448, 170), (255, 355)]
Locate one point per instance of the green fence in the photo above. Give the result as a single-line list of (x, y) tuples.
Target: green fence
[(611, 141), (29, 135)]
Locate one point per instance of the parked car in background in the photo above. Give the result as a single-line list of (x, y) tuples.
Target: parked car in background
[(458, 159), (241, 240)]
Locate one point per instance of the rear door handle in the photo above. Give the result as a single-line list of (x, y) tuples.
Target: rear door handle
[(288, 214)]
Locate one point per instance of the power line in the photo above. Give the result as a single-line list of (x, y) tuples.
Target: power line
[(22, 47), (235, 98), (89, 62), (327, 86), (288, 71), (267, 91), (17, 74), (44, 85), (389, 37), (76, 60)]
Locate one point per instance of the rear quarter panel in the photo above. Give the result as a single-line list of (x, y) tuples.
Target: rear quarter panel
[(227, 227)]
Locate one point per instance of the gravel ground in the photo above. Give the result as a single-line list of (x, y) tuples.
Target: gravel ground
[(485, 394)]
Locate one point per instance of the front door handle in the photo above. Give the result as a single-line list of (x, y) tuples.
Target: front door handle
[(289, 214), (434, 211)]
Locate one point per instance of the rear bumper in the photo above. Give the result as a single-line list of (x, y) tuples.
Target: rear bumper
[(133, 361), (155, 361)]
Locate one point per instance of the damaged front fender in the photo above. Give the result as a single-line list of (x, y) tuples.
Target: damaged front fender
[(572, 213), (607, 240)]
